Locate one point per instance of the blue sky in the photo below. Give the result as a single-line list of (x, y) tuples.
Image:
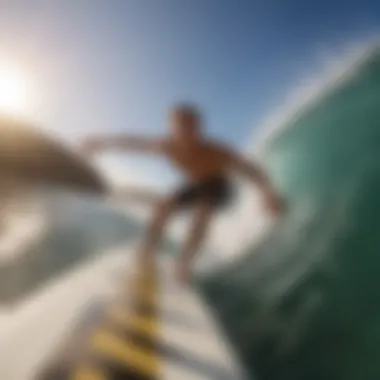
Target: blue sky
[(117, 65)]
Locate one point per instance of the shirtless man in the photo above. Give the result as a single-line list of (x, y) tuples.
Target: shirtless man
[(205, 165)]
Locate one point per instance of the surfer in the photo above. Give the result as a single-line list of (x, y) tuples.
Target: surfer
[(206, 165)]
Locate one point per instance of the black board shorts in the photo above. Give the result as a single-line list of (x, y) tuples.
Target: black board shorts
[(217, 191)]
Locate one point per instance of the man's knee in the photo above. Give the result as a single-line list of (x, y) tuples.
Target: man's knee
[(202, 218), (164, 209), (204, 211)]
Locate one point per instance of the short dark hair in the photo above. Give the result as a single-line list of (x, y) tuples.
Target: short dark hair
[(188, 110)]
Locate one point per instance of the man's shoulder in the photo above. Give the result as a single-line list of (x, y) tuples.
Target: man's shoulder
[(219, 147), (165, 144)]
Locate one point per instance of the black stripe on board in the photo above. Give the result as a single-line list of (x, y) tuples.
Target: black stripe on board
[(116, 371)]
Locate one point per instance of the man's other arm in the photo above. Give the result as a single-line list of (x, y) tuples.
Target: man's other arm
[(124, 143)]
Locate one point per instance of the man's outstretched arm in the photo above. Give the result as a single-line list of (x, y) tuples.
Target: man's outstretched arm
[(258, 176), (122, 142)]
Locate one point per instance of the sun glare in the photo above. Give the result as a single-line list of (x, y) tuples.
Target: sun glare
[(14, 88)]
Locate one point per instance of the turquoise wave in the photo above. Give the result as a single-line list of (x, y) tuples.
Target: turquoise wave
[(304, 304)]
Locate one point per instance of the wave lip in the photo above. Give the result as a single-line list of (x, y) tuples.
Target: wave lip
[(313, 90)]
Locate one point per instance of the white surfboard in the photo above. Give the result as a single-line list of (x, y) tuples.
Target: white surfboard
[(106, 321)]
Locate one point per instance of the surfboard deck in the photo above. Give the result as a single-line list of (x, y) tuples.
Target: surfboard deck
[(149, 328)]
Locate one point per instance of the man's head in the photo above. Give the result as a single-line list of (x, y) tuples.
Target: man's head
[(185, 123)]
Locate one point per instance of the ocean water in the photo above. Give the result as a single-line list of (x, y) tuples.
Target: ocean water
[(305, 303), (75, 229)]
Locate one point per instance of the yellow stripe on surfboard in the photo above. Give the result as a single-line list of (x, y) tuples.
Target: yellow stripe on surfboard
[(126, 353), (147, 325), (109, 346), (89, 373)]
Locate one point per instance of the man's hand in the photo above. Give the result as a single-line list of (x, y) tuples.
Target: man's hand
[(274, 204)]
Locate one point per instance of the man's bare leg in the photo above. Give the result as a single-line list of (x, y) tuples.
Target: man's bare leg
[(154, 233), (202, 218)]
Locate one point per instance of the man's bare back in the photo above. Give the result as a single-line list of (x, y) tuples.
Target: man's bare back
[(205, 165)]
